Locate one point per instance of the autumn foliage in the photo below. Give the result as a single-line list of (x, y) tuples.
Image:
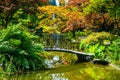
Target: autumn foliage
[(9, 7), (76, 2), (73, 16), (65, 18)]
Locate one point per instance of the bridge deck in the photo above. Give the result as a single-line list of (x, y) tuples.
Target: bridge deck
[(65, 50), (81, 55)]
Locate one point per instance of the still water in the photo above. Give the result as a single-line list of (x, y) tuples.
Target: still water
[(81, 71)]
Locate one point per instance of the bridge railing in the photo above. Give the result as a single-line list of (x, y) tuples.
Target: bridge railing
[(51, 41)]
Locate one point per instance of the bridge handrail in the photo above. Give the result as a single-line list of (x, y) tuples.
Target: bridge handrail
[(50, 42)]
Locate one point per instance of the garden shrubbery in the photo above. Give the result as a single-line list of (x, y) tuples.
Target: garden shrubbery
[(104, 45), (18, 51), (98, 37)]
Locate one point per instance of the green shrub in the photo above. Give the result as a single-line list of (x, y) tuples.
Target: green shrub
[(80, 33), (103, 45), (18, 51), (114, 49), (98, 37)]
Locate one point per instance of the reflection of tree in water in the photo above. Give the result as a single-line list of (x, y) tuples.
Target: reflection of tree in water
[(47, 76), (78, 74), (59, 76), (83, 71)]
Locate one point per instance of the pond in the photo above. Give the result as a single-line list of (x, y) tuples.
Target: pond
[(62, 66), (81, 71)]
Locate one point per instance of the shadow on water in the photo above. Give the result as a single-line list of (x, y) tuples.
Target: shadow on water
[(82, 71)]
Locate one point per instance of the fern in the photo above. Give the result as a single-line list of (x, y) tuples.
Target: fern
[(16, 43)]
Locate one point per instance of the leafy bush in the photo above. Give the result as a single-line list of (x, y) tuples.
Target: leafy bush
[(114, 49), (103, 45), (98, 37), (18, 51), (28, 20)]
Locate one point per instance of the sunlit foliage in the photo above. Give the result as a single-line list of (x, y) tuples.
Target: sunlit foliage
[(104, 45), (59, 17), (100, 21), (71, 17), (102, 7), (98, 37), (9, 7), (77, 3)]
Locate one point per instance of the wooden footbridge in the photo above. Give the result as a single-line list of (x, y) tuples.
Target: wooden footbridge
[(58, 43), (82, 57)]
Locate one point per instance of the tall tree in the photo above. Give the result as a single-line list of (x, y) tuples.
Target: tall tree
[(9, 7), (105, 6)]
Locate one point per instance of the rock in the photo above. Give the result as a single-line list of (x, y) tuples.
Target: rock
[(85, 57), (102, 62)]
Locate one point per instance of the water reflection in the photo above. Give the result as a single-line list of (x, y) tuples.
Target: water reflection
[(54, 62), (58, 76), (74, 72), (47, 76)]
